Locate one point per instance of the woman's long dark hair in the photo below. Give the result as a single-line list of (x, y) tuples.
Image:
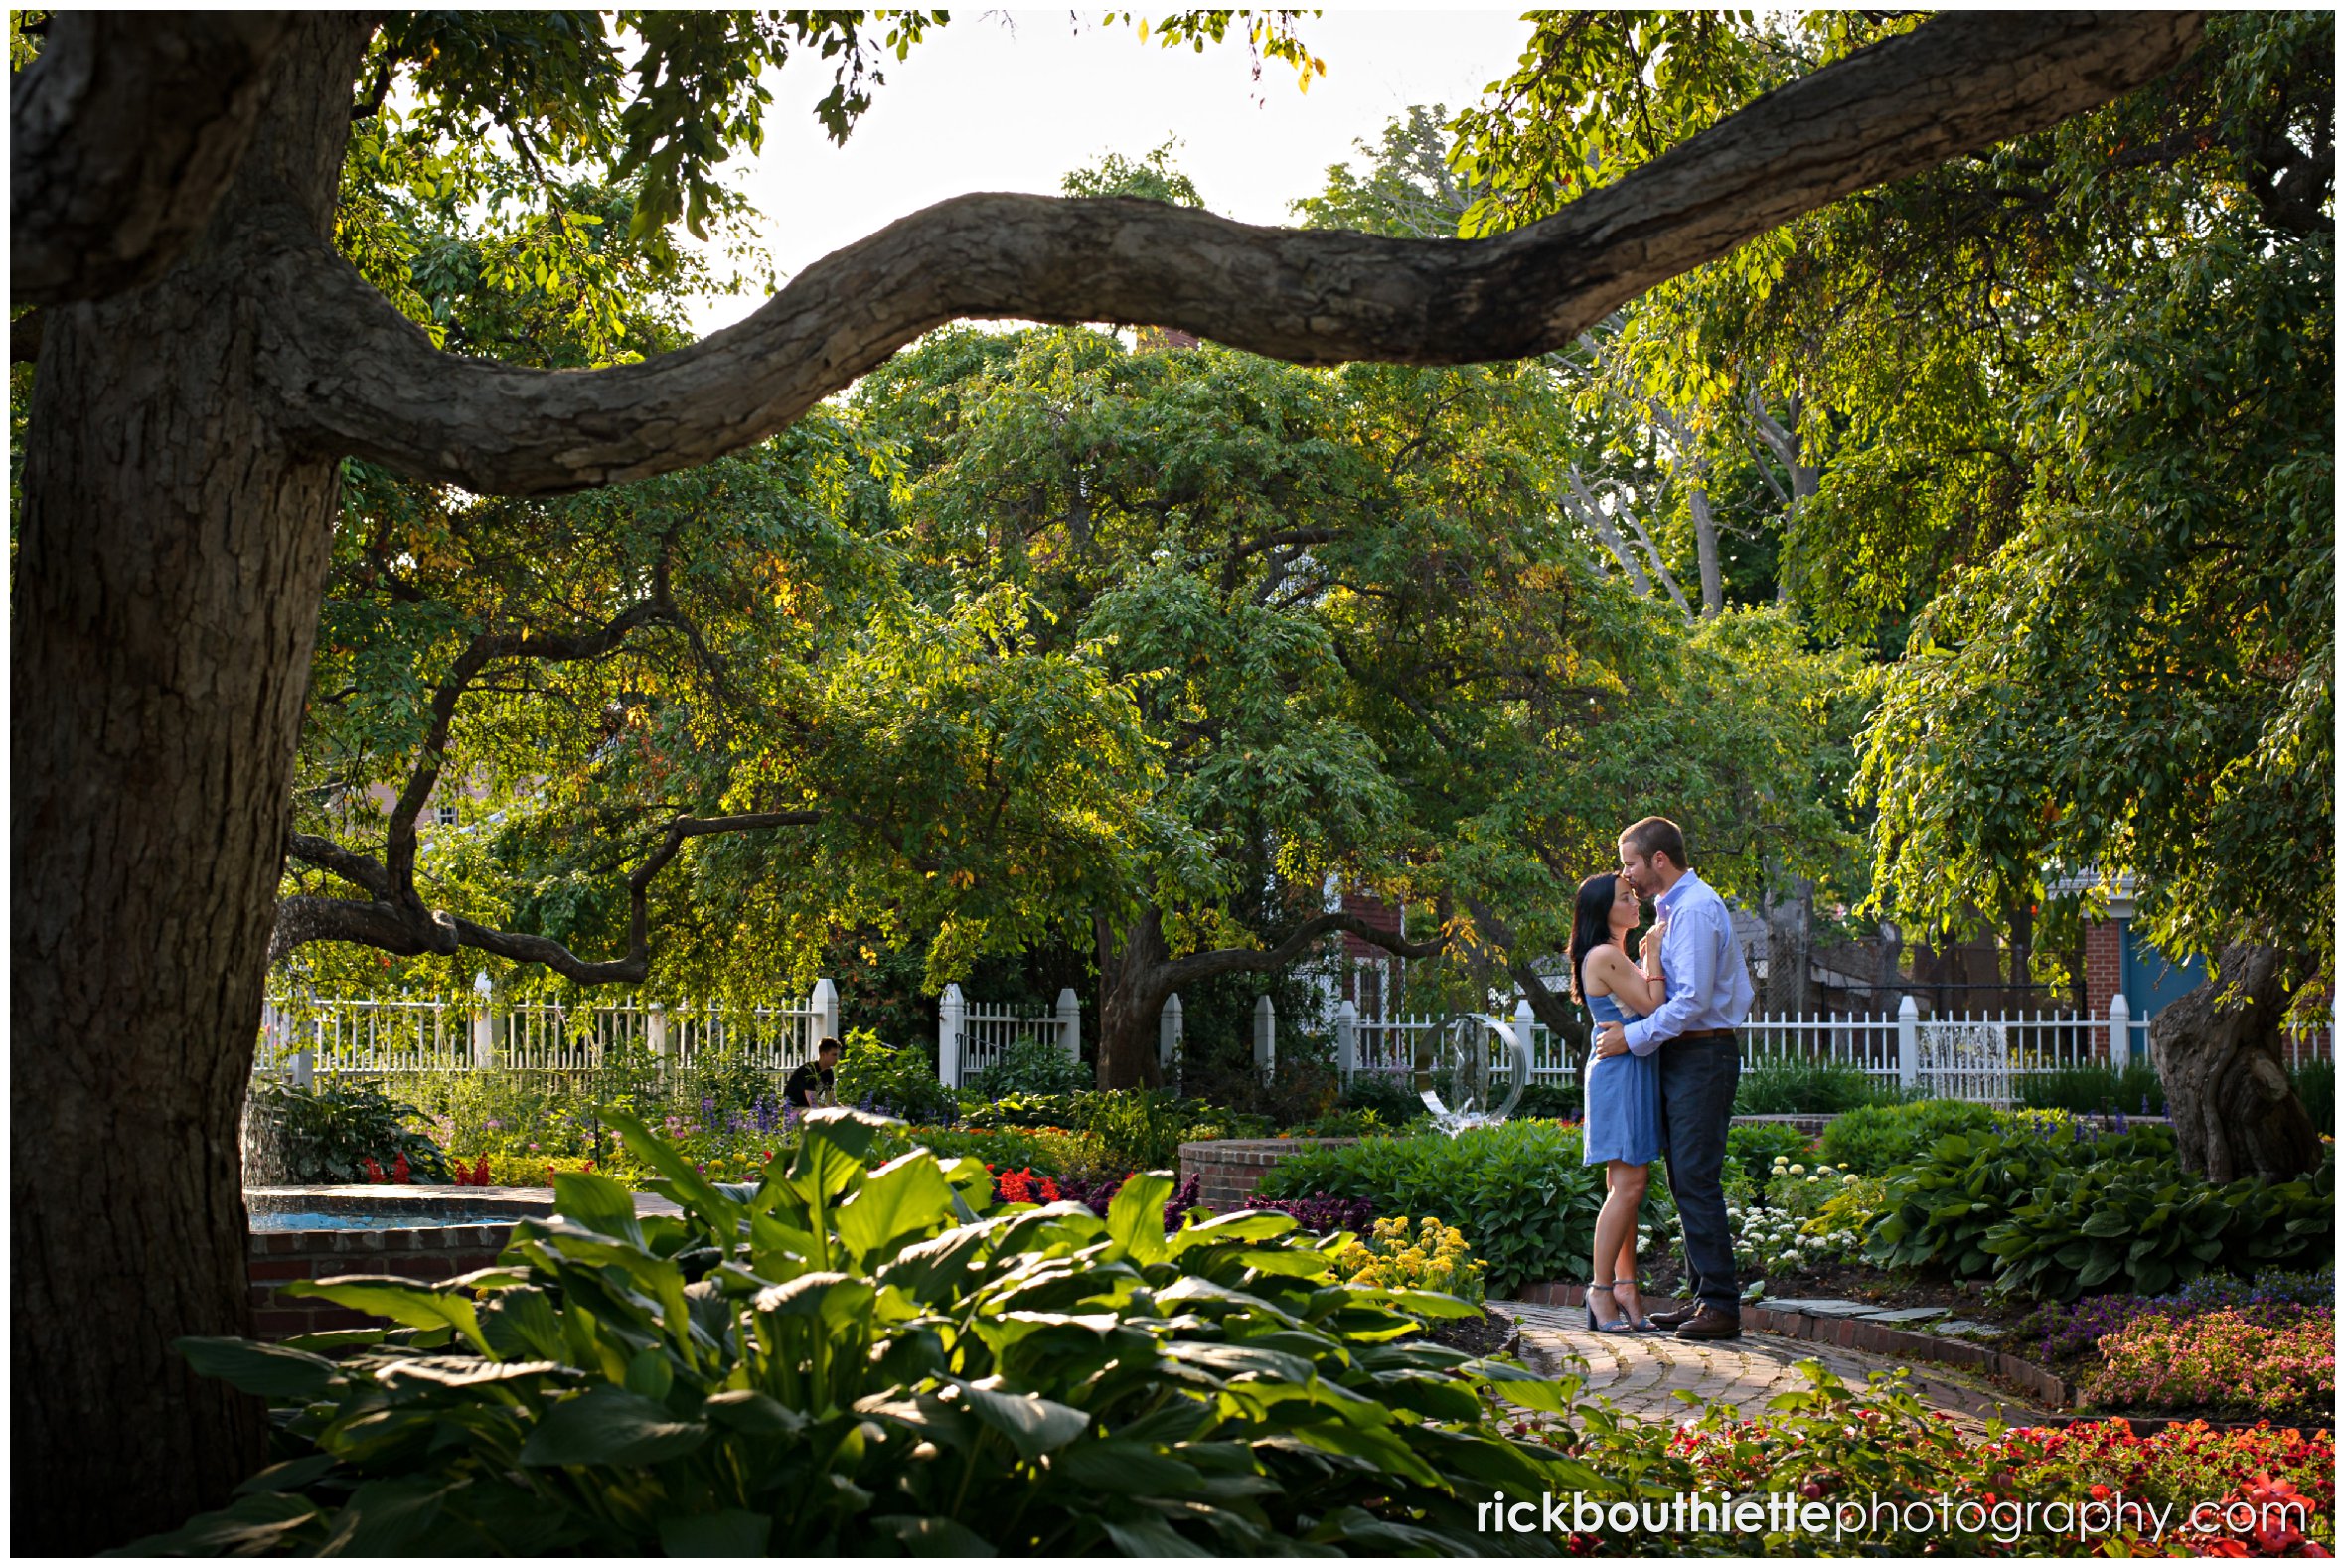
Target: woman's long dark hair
[(1591, 921)]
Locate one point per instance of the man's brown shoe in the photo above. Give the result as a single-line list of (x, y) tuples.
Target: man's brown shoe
[(1708, 1323), (1674, 1316)]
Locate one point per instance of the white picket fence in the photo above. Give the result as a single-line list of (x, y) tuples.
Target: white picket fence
[(1973, 1056), (348, 1037), (973, 1035)]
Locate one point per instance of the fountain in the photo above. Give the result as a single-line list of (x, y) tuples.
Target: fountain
[(1472, 1057)]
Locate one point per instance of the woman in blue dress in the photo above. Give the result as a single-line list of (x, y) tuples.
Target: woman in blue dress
[(1623, 1127)]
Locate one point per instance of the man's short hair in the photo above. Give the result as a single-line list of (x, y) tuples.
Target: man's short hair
[(826, 1043), (1653, 836)]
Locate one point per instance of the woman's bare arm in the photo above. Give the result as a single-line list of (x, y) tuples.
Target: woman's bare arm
[(1626, 982)]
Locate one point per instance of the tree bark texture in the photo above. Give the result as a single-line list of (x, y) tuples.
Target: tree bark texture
[(1135, 978), (124, 132), (1705, 545), (172, 555), (362, 380), (2226, 1078)]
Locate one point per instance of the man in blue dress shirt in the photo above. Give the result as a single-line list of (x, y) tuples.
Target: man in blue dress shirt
[(1709, 997)]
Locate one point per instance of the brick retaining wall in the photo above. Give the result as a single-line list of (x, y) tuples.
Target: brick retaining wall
[(1229, 1169), (425, 1254)]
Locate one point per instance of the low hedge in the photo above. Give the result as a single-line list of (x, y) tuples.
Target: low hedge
[(1872, 1139), (2052, 1216), (1519, 1192)]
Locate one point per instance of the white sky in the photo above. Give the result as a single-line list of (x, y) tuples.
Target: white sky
[(1013, 100)]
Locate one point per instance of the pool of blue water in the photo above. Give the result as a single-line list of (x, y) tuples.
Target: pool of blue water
[(311, 1219)]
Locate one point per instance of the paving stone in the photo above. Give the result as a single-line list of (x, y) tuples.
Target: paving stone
[(1965, 1326), (1909, 1314), (1641, 1375), (1821, 1309)]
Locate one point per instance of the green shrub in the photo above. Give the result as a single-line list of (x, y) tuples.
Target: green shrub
[(1018, 1109), (1301, 1085), (2096, 1089), (1755, 1146), (1137, 1129), (1519, 1192), (2316, 1086), (1386, 1093), (846, 1358), (326, 1133), (1553, 1102), (2053, 1217), (1358, 1124), (1031, 1065), (892, 1082), (1775, 1087), (1873, 1138)]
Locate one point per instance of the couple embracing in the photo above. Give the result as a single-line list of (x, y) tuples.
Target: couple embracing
[(1660, 1080)]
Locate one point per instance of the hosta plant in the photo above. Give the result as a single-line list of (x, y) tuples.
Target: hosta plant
[(845, 1360)]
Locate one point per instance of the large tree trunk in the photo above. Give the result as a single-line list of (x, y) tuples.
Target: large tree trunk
[(172, 552), (2226, 1080), (1135, 978)]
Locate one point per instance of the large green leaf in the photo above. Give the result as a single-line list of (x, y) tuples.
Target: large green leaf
[(398, 1299), (1127, 1467), (834, 1299), (269, 1370), (690, 1188), (1135, 1216), (1150, 1536), (597, 1203), (608, 1425), (1034, 1425), (248, 1526), (521, 1321), (931, 1537), (387, 1518), (755, 1412), (905, 1195), (731, 1533)]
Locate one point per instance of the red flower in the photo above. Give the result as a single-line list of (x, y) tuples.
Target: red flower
[(374, 1170), (2100, 1493), (399, 1168)]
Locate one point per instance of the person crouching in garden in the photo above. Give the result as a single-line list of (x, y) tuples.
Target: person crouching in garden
[(812, 1084), (1623, 1127)]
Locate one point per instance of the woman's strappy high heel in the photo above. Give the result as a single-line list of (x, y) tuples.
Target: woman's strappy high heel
[(1635, 1320), (1620, 1325)]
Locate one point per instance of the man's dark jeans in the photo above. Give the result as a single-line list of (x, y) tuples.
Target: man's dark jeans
[(1698, 1079)]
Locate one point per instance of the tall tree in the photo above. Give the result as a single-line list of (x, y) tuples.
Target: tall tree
[(206, 359)]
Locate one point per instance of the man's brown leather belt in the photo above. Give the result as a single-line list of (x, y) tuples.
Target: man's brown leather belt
[(1707, 1035)]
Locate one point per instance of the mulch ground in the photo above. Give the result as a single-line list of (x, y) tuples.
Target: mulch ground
[(1474, 1336)]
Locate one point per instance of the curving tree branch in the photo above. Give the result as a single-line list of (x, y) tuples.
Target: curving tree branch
[(395, 921), (123, 135), (353, 377), (1233, 960)]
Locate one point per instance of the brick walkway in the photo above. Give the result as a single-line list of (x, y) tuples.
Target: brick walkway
[(1640, 1373)]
